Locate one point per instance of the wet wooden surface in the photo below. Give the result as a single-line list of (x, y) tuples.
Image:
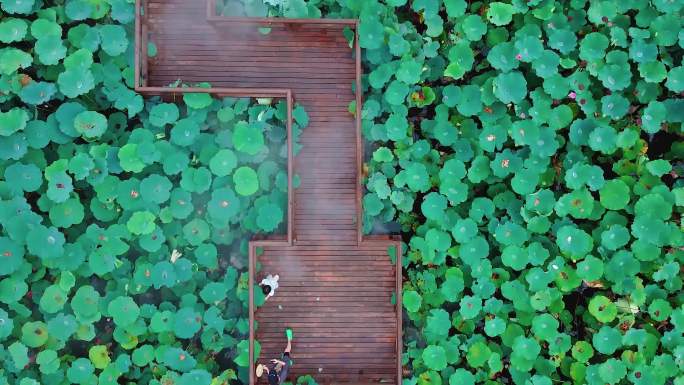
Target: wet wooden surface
[(336, 288), (338, 301)]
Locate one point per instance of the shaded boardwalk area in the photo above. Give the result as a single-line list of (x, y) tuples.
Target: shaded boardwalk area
[(337, 287)]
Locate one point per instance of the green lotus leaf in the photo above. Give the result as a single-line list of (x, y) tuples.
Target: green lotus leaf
[(12, 121), (478, 354), (659, 167), (122, 11), (224, 205), (615, 237), (62, 326), (582, 351), (185, 132), (143, 355), (269, 217), (90, 124), (470, 306), (409, 71), (178, 359), (433, 206), (438, 325), (434, 357), (85, 303), (44, 242), (562, 40), (603, 309), (579, 204), (462, 377), (653, 116), (396, 92), (163, 114), (24, 177), (75, 82), (50, 49), (246, 181), (590, 268), (80, 371), (593, 47), (19, 354), (53, 299), (371, 33), (99, 356), (510, 87), (213, 293), (546, 65), (187, 323), (48, 361), (659, 309), (494, 326), (42, 27), (612, 371), (397, 127), (84, 36), (123, 310), (34, 334), (574, 242), (6, 325), (206, 255), (412, 301), (37, 92), (248, 138), (152, 242), (196, 231), (225, 114), (129, 159), (156, 188), (653, 71), (607, 340), (675, 79), (12, 59), (18, 6), (380, 76), (163, 274), (141, 222), (653, 205), (473, 26), (614, 106), (223, 162), (614, 194), (500, 13), (12, 256), (113, 39), (470, 102), (197, 101), (529, 48), (81, 165), (195, 377), (181, 203)]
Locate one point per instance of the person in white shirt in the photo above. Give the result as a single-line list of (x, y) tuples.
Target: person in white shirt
[(269, 285)]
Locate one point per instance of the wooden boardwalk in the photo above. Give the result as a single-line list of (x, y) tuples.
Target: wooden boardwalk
[(336, 286)]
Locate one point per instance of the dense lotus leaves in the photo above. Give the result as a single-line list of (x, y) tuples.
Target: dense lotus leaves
[(553, 113), (530, 153)]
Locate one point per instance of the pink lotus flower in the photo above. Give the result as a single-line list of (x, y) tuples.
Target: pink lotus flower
[(518, 56), (572, 95)]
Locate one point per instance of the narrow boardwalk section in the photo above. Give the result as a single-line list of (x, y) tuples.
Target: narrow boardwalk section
[(337, 290)]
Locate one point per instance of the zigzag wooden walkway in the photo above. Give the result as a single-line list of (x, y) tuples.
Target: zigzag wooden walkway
[(336, 286)]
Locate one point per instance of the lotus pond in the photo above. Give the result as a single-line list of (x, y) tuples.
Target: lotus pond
[(530, 152)]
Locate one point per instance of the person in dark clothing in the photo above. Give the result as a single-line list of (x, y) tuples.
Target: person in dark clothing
[(277, 370)]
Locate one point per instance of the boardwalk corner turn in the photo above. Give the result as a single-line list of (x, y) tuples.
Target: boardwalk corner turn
[(339, 290)]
